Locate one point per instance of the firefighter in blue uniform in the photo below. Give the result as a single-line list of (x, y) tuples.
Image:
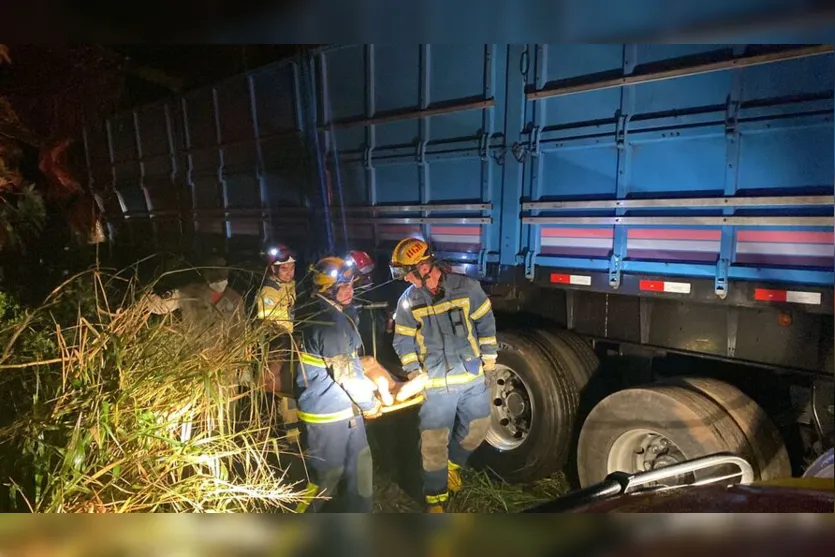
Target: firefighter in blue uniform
[(445, 336), (333, 395)]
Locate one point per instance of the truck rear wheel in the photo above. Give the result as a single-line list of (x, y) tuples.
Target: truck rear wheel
[(650, 427), (770, 457), (583, 351), (533, 411)]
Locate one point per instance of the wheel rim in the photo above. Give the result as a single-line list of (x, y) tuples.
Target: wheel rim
[(641, 450), (511, 410)]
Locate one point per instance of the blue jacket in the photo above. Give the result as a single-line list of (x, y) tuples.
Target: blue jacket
[(446, 336), (330, 383)]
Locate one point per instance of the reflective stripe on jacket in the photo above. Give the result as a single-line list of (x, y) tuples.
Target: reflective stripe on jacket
[(448, 335), (330, 380)]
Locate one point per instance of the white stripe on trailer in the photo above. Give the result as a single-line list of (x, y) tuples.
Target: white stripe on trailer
[(572, 242), (810, 298)]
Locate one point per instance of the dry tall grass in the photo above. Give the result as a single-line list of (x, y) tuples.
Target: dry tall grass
[(136, 413)]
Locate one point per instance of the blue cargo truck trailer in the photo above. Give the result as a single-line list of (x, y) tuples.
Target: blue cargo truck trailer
[(667, 208)]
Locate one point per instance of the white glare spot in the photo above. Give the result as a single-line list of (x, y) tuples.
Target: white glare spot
[(333, 273), (273, 251), (349, 262), (405, 304)]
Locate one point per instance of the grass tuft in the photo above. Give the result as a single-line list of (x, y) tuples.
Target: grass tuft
[(113, 409)]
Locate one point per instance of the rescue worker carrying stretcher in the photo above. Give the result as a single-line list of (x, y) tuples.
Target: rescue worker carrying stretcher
[(445, 333), (333, 394)]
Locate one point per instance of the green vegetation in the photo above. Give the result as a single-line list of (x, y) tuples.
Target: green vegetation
[(107, 408)]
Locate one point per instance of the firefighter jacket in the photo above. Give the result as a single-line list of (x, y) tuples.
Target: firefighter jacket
[(275, 303), (448, 334), (330, 384)]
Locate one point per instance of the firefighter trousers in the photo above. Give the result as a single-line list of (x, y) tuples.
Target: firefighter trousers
[(337, 452), (453, 423)]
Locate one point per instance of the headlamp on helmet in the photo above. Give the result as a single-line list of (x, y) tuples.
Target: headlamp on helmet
[(279, 254), (330, 273)]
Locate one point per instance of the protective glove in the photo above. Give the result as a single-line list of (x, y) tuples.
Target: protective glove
[(488, 363)]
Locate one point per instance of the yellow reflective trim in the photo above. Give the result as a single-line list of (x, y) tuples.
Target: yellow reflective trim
[(458, 379), (405, 331), (482, 310), (312, 360), (452, 465), (464, 303), (436, 499), (408, 358), (421, 344), (437, 309), (443, 307), (309, 493), (325, 418), (487, 340)]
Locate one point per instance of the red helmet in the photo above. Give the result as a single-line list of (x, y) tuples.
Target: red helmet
[(361, 260), (279, 254)]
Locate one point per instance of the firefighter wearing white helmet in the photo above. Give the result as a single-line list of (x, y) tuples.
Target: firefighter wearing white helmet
[(275, 307), (445, 333), (277, 296)]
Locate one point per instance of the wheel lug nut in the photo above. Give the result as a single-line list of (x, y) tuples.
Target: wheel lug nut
[(504, 421), (499, 381), (517, 434), (497, 401)]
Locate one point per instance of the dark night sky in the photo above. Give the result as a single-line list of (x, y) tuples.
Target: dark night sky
[(195, 65), (53, 89)]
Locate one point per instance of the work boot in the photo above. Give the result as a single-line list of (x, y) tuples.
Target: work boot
[(435, 509), (454, 481)]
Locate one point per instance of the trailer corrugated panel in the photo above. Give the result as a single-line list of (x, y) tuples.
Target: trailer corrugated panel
[(722, 126), (411, 126), (701, 161), (222, 167)]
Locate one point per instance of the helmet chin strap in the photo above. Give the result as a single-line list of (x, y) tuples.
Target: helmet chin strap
[(425, 276)]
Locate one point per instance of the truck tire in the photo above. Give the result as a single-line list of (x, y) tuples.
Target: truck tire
[(583, 350), (530, 386), (562, 354), (650, 427), (770, 457)]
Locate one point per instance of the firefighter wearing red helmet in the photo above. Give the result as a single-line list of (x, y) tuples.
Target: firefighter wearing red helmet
[(364, 264)]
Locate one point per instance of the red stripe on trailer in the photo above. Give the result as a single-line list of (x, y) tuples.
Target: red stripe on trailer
[(789, 296), (664, 286), (785, 236), (579, 280), (673, 234), (652, 285), (578, 232), (765, 295)]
